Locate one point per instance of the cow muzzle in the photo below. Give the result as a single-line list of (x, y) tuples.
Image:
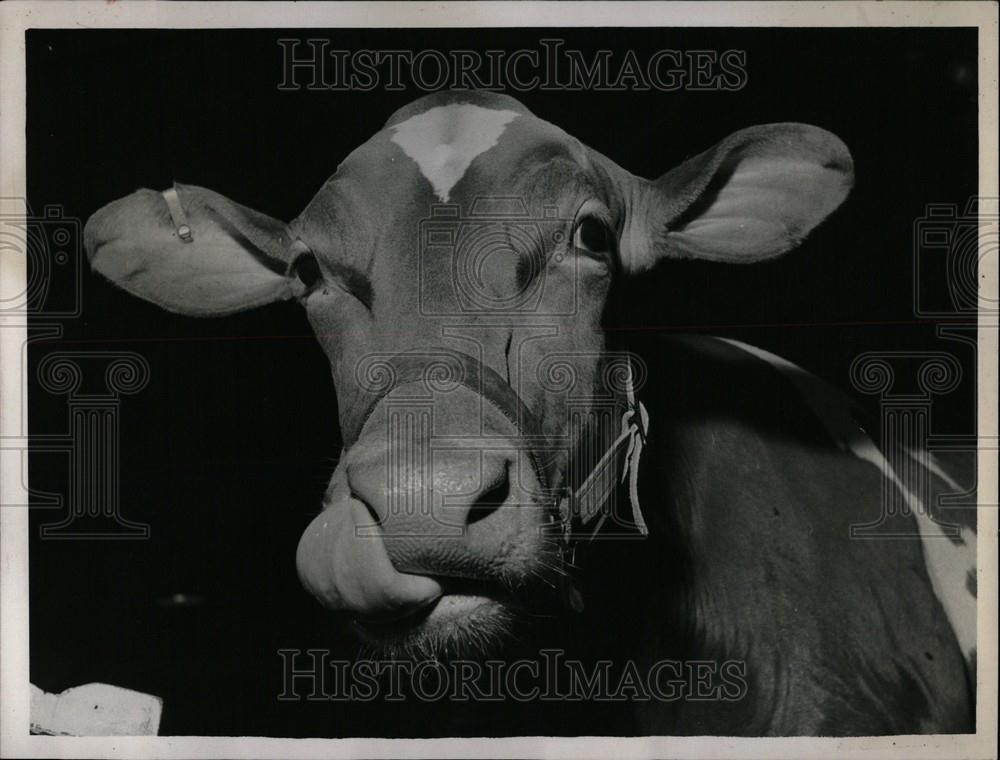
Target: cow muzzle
[(440, 513)]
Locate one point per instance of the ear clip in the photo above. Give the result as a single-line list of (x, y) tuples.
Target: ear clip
[(177, 215)]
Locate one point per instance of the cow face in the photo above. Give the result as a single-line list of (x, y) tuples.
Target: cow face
[(455, 270)]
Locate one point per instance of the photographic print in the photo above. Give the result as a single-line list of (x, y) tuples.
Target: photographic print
[(537, 379)]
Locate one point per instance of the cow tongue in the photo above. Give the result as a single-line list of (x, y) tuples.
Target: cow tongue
[(353, 573)]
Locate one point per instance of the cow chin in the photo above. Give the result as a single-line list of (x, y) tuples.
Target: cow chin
[(466, 623)]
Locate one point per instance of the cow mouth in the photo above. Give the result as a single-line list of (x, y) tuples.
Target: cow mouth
[(413, 610), (469, 619)]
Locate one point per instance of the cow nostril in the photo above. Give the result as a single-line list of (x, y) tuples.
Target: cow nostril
[(491, 499)]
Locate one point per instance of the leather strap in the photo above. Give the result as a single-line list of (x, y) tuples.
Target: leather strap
[(586, 502)]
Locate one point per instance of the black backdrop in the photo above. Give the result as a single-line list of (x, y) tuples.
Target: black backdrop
[(226, 452)]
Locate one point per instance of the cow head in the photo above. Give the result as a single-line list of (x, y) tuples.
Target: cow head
[(455, 270)]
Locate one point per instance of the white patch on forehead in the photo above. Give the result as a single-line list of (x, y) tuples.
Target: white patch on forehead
[(444, 140), (949, 562)]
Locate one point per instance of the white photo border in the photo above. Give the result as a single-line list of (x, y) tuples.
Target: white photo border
[(20, 15)]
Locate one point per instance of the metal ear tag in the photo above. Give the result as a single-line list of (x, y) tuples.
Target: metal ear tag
[(177, 215)]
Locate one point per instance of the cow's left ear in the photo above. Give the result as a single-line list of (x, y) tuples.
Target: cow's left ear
[(753, 196), (191, 251)]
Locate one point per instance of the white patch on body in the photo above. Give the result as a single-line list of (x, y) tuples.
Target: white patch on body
[(444, 140), (949, 562)]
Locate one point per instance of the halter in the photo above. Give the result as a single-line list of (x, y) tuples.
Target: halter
[(580, 509)]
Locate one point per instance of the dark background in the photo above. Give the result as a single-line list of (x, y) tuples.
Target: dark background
[(225, 454)]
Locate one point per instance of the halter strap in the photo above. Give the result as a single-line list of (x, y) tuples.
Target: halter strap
[(578, 508), (586, 503)]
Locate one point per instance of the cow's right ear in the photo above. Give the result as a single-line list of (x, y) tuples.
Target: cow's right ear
[(191, 251)]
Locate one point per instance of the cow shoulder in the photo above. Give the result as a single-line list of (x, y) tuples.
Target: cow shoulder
[(762, 499)]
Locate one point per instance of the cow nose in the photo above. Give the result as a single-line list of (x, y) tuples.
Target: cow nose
[(465, 513)]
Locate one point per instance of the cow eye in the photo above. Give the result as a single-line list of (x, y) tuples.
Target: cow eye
[(306, 268), (591, 235)]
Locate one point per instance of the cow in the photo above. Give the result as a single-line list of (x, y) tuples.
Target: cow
[(457, 269)]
